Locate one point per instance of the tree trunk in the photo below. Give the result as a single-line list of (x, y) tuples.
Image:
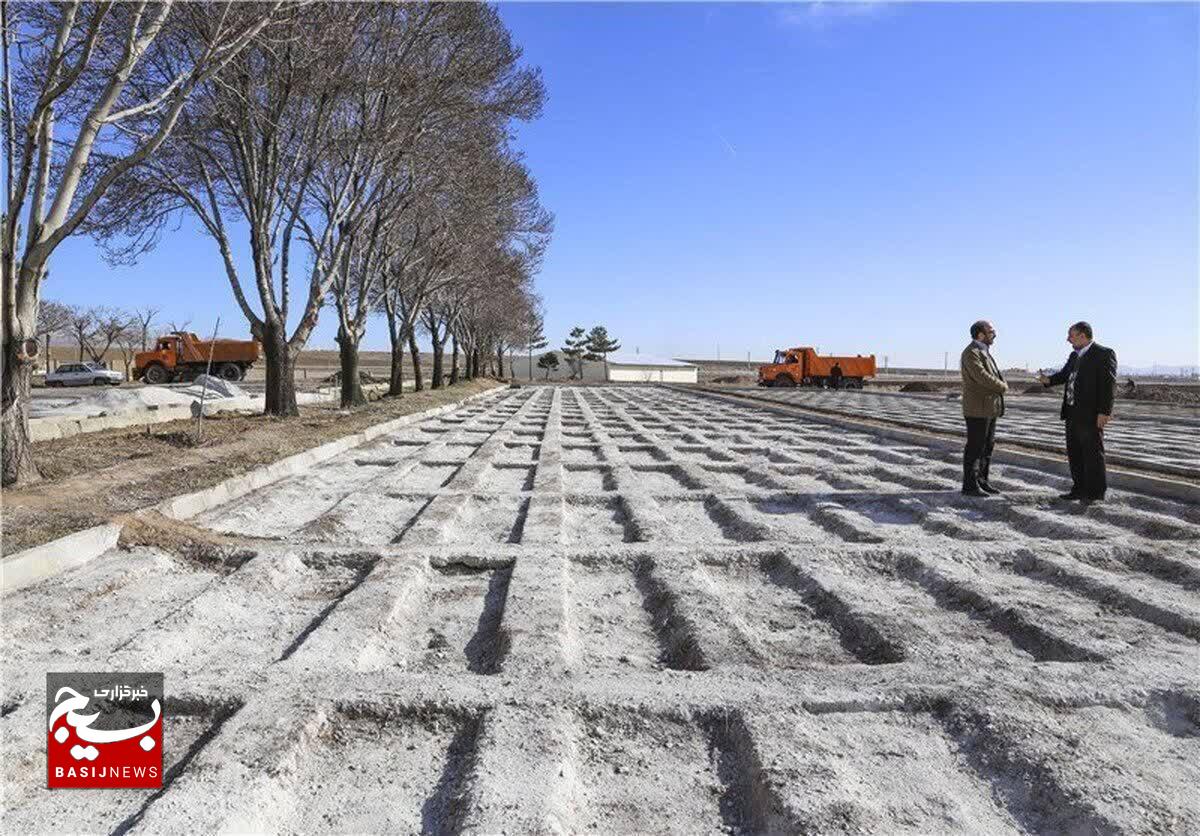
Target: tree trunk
[(352, 391), (418, 381), (531, 364), (500, 362), (435, 379), (396, 380), (475, 362), (15, 448), (281, 380), (453, 359)]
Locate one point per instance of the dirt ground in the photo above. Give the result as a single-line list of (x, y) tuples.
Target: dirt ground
[(88, 479), (638, 610)]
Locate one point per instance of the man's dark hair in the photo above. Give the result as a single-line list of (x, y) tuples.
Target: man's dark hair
[(1082, 327), (978, 328)]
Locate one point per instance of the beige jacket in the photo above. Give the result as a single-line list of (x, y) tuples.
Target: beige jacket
[(983, 385)]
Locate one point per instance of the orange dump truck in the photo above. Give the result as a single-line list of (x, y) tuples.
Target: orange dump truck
[(804, 367), (182, 355)]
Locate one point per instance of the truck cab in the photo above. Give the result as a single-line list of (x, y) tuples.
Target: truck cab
[(786, 369), (161, 360)]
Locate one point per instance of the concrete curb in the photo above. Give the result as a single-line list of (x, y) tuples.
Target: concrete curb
[(47, 429), (1161, 486), (57, 556)]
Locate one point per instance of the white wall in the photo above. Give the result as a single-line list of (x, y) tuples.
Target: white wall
[(594, 372), (652, 374)]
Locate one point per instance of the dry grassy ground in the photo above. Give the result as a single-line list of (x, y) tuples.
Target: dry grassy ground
[(90, 478)]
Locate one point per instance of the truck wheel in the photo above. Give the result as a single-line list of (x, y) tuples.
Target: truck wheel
[(155, 374), (784, 381), (229, 371), (99, 381)]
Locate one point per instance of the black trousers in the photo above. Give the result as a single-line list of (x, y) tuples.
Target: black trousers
[(1085, 452), (981, 438)]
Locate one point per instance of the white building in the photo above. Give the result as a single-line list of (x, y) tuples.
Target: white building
[(641, 368)]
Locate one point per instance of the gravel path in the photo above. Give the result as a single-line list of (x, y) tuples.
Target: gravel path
[(640, 610)]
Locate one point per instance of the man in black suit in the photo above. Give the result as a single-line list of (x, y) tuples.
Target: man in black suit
[(1090, 378)]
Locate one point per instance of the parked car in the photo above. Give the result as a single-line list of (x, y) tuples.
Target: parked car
[(83, 374)]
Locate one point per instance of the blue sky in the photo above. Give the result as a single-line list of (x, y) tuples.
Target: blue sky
[(866, 179)]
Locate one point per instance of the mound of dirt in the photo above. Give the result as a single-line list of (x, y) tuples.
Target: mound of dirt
[(1186, 395), (364, 377), (918, 387), (737, 379)]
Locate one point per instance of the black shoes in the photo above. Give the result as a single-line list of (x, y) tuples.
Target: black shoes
[(1071, 495), (973, 492), (987, 488)]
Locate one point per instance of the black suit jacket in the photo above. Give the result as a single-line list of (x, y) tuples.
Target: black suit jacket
[(1095, 384)]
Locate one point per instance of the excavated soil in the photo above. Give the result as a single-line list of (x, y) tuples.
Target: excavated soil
[(604, 609)]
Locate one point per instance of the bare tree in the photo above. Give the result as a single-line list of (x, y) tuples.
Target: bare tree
[(175, 325), (53, 318), (129, 341), (81, 322), (247, 156), (144, 318), (84, 103), (110, 326)]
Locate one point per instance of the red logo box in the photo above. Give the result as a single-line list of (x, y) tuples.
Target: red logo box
[(104, 730)]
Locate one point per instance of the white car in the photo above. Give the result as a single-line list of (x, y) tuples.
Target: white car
[(83, 374)]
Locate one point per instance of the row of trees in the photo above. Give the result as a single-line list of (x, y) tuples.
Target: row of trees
[(580, 345), (96, 330), (360, 153)]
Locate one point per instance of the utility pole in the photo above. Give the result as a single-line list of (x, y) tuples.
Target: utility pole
[(946, 363)]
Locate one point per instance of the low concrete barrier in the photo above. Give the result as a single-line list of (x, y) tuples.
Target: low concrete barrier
[(24, 568), (57, 556), (51, 427)]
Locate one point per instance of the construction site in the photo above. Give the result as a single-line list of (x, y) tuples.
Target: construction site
[(641, 609), (599, 418)]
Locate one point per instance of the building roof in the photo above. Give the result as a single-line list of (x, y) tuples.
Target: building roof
[(647, 360)]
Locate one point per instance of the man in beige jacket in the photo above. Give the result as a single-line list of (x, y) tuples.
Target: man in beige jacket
[(982, 402)]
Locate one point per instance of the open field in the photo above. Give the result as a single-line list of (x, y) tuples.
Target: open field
[(1153, 437), (622, 609), (1179, 390), (312, 366)]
